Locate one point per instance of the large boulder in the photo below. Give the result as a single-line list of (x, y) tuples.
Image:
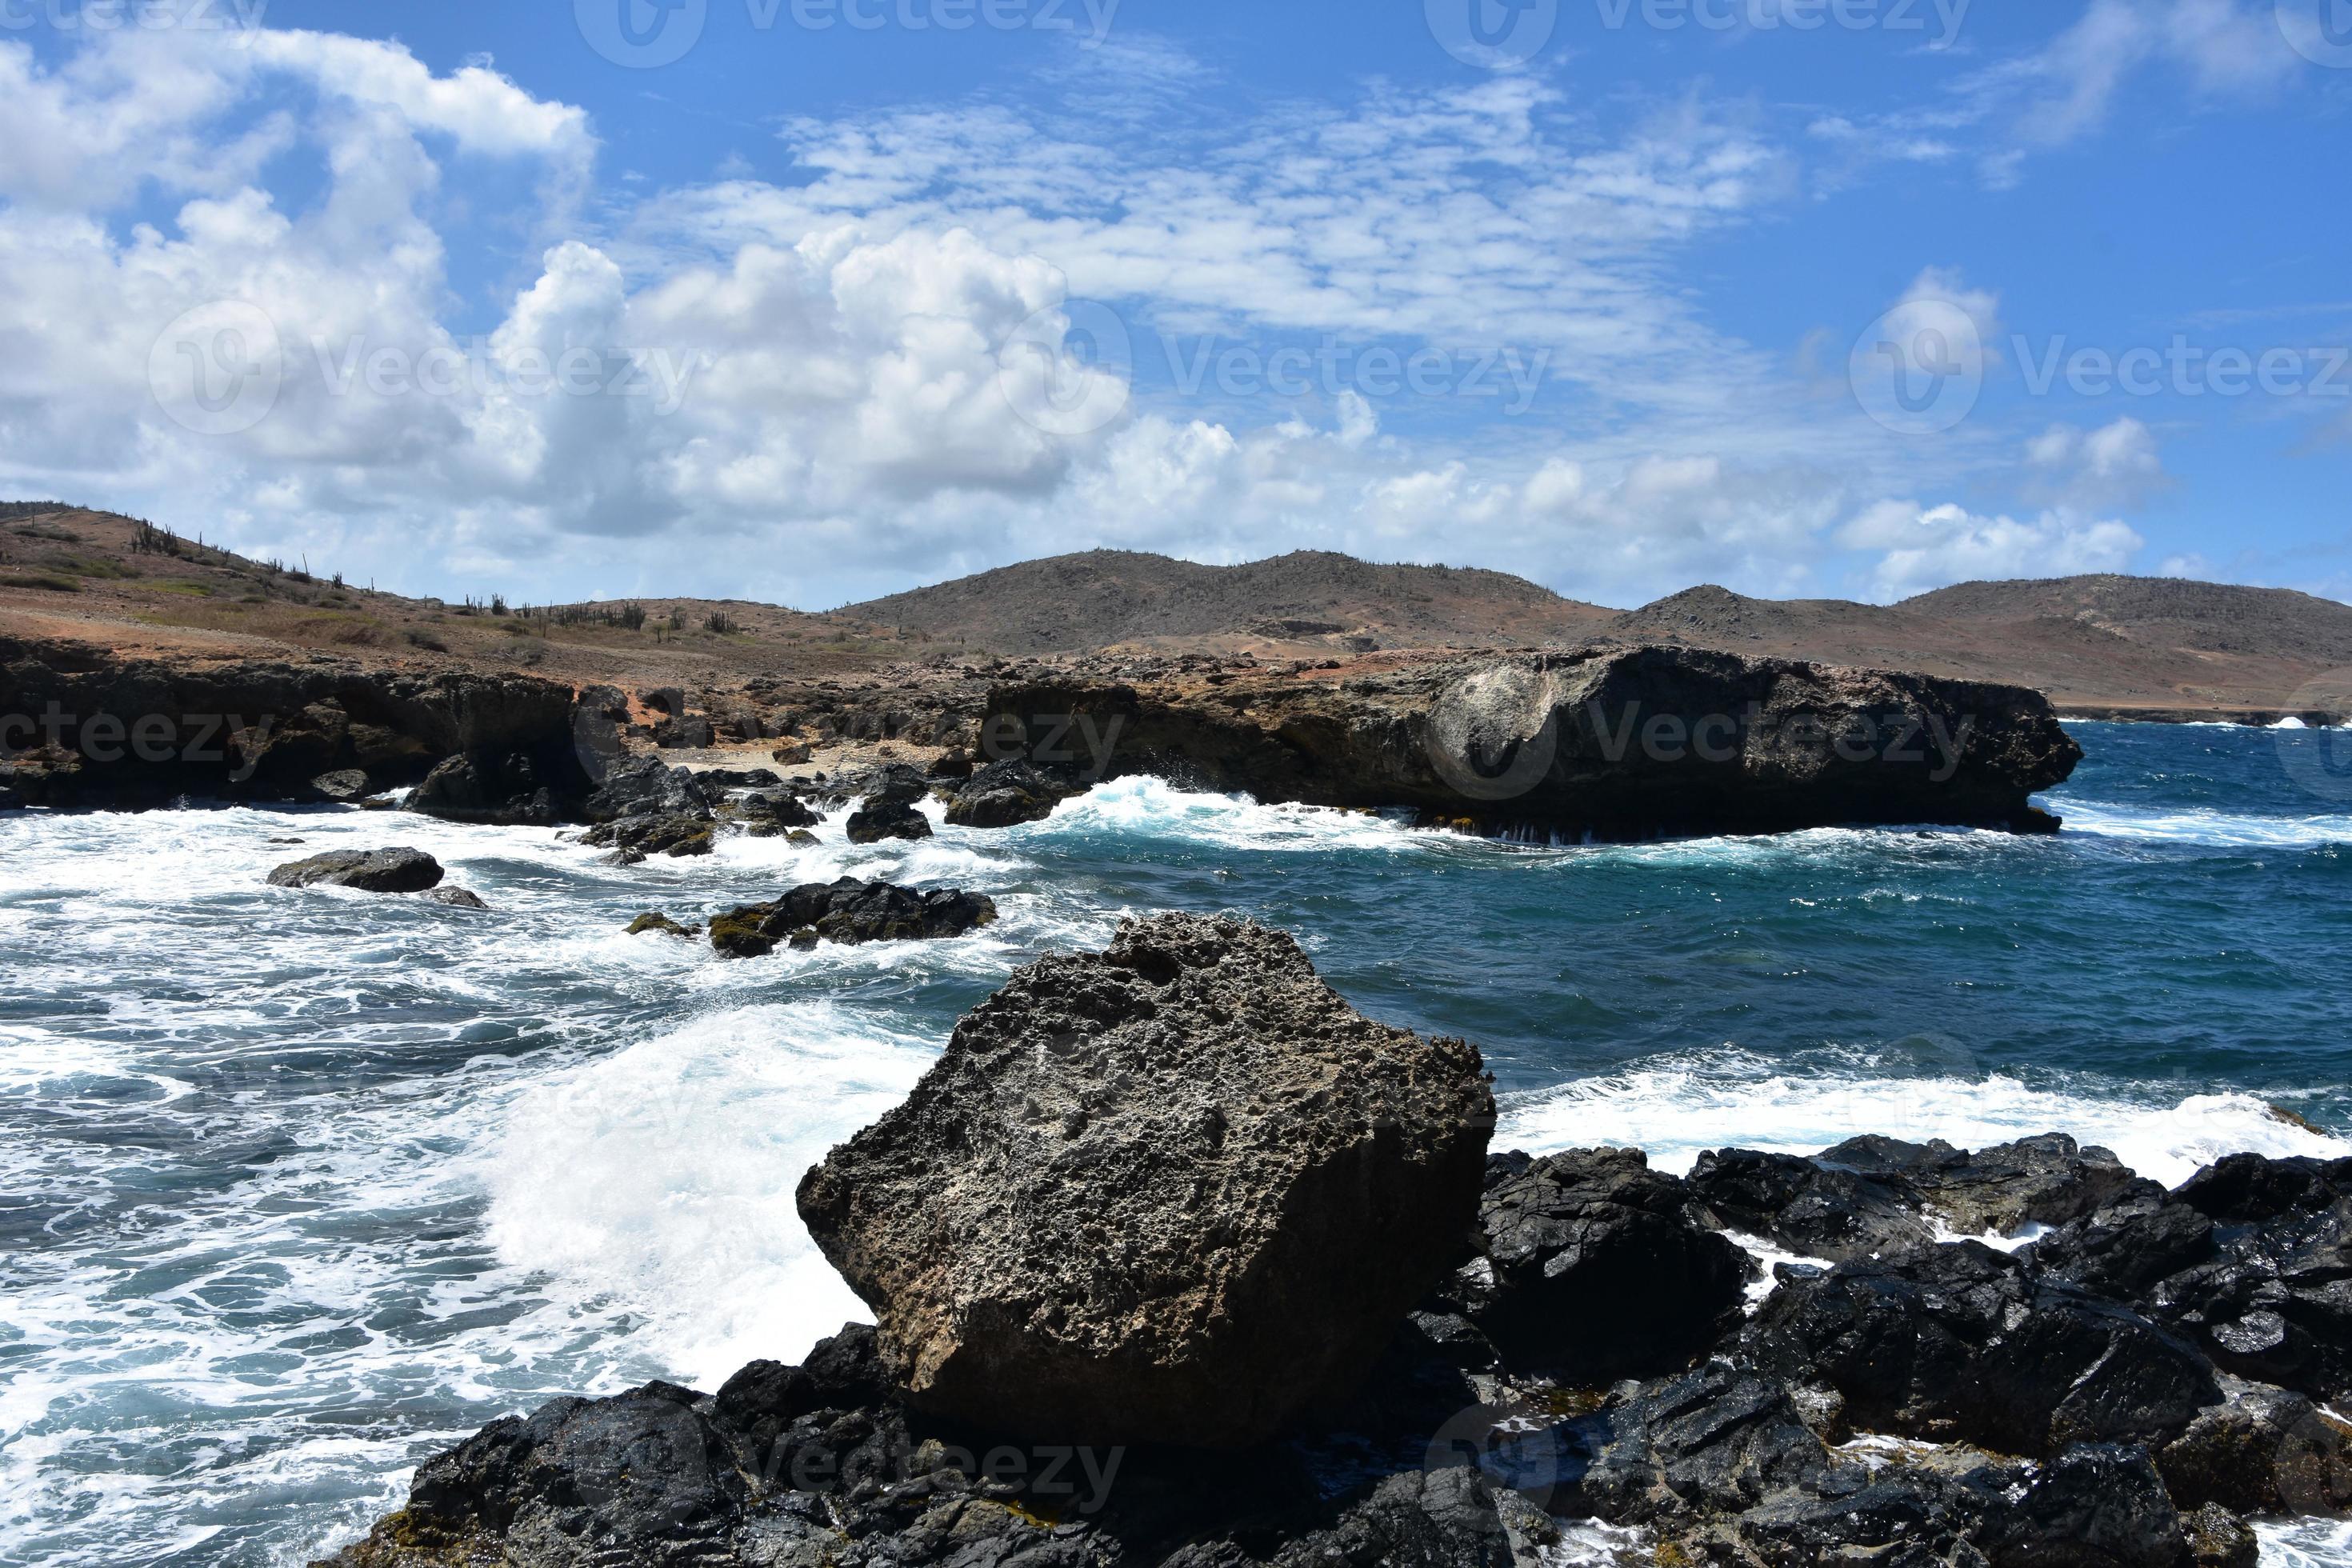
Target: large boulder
[(2048, 1180), (399, 870), (1175, 1191), (1809, 1207)]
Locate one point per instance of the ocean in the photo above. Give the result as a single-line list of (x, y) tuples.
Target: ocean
[(295, 1188)]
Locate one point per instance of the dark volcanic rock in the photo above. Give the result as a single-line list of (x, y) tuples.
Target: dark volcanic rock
[(370, 870), (772, 813), (1595, 1267), (1961, 1343), (849, 911), (888, 810), (2047, 1180), (1616, 742), (2265, 1451), (1174, 1192), (676, 837), (1808, 1205), (456, 898), (1005, 794), (2251, 1260), (645, 786)]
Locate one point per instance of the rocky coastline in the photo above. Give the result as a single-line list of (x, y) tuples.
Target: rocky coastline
[(1099, 1233), (1604, 742)]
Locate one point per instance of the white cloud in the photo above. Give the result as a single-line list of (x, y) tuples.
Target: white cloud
[(1924, 548), (2114, 468)]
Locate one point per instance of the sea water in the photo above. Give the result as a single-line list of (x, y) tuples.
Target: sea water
[(298, 1188)]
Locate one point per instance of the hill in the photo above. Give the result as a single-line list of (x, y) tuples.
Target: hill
[(2143, 645), (1108, 598), (2146, 646)]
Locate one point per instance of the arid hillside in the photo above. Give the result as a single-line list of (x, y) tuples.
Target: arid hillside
[(1108, 598), (2145, 647)]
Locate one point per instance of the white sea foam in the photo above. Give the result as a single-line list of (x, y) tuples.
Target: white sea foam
[(2305, 1544), (658, 1181), (1678, 1107), (1152, 808), (2217, 828)]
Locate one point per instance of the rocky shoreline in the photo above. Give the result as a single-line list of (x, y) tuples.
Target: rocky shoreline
[(1605, 743), (1179, 1260)]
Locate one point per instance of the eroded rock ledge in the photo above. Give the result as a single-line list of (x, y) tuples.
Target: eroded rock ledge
[(1611, 742)]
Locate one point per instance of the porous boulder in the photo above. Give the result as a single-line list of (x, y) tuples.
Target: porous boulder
[(1174, 1192), (401, 871)]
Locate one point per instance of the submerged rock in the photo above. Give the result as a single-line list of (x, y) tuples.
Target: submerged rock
[(676, 836), (849, 911), (456, 898), (653, 921), (1174, 1192), (400, 871)]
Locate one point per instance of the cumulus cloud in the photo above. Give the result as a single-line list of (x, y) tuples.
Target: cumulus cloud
[(2114, 468), (1922, 548)]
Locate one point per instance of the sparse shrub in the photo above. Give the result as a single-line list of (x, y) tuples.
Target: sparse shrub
[(720, 624)]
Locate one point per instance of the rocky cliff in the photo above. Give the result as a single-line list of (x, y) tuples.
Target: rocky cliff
[(81, 728), (1612, 743)]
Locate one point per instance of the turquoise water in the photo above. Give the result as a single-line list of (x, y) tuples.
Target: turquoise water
[(295, 1187)]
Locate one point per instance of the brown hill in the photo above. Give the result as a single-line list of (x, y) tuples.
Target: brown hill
[(2094, 644), (2151, 647), (1108, 598)]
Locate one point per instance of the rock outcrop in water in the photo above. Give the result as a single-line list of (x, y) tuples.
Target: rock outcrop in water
[(1608, 743), (369, 870), (851, 912), (1176, 1192)]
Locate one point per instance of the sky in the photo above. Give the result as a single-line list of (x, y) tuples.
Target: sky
[(812, 301)]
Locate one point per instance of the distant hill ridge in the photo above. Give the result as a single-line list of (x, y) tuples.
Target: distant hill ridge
[(1102, 597)]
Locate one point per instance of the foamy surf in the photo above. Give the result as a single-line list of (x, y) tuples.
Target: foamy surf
[(1676, 1109)]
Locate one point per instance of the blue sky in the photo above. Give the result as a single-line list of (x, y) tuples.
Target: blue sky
[(815, 300)]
